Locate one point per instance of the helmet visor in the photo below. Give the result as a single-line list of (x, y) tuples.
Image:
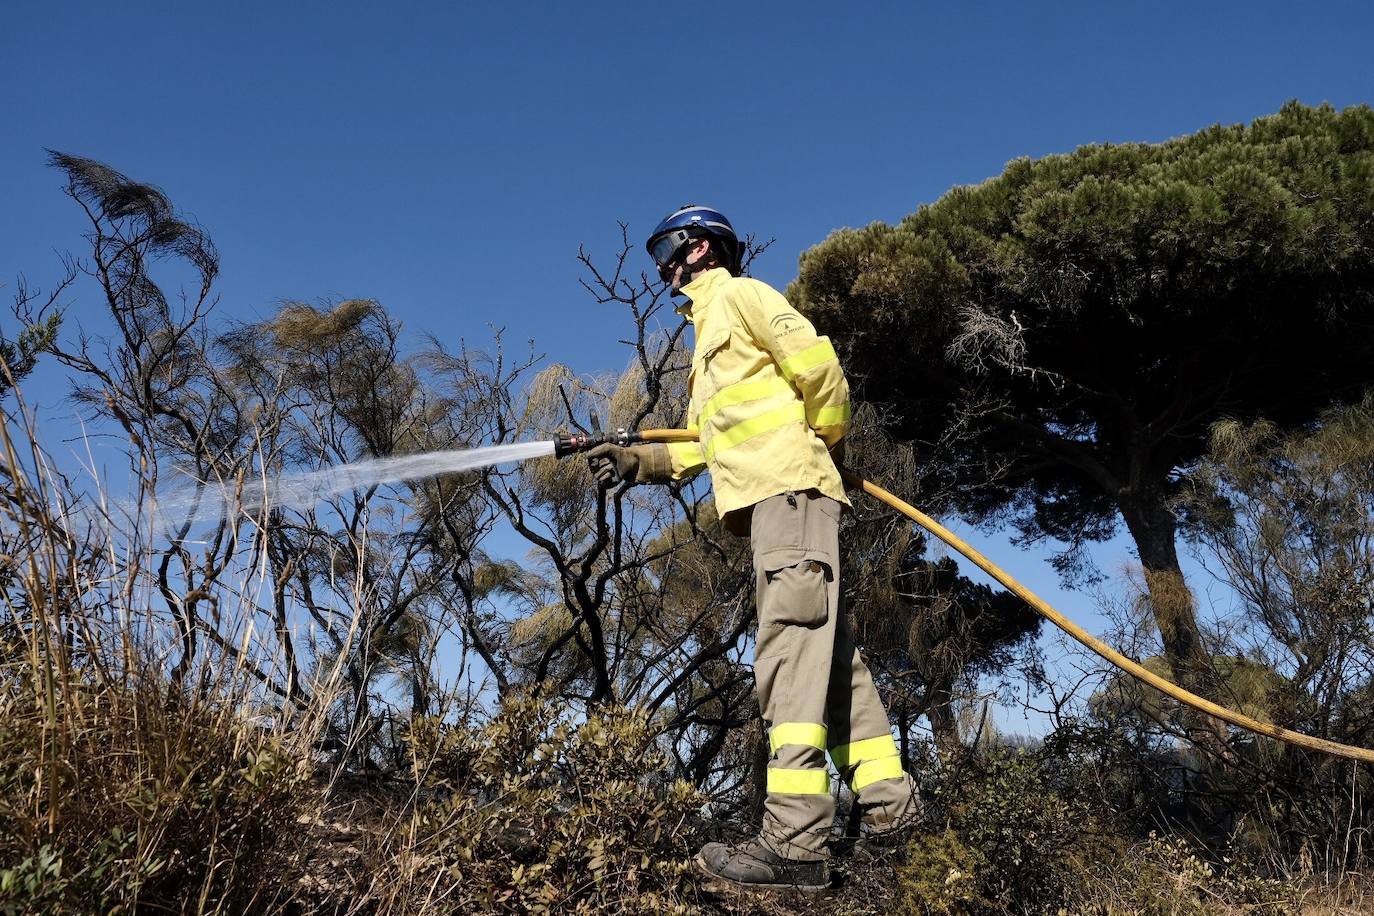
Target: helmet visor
[(663, 248)]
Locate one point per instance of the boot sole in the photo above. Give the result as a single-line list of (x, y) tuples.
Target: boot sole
[(732, 884)]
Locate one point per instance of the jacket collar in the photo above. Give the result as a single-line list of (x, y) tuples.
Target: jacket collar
[(701, 292)]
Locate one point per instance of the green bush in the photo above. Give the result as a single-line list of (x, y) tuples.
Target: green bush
[(1011, 839), (942, 875)]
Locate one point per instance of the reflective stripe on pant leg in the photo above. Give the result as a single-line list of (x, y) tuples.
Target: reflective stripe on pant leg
[(798, 782), (872, 759), (805, 733), (870, 771), (856, 752)]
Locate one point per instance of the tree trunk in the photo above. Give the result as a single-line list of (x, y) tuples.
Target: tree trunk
[(943, 724), (419, 689), (1154, 530)]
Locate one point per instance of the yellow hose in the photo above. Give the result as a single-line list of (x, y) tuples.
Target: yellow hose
[(668, 435), (1041, 607)]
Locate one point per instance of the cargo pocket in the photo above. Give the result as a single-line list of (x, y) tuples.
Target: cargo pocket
[(796, 589)]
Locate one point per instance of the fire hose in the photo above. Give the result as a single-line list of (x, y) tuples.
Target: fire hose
[(568, 445)]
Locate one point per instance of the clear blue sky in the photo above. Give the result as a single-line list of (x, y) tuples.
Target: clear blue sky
[(448, 159)]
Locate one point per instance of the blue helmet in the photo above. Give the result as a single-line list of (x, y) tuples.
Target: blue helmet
[(693, 222)]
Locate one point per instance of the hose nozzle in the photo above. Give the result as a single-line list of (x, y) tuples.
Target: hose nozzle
[(576, 443)]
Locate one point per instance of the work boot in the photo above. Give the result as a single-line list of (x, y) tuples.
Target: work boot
[(752, 864), (880, 835)]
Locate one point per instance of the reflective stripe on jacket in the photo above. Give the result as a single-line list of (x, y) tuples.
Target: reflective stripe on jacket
[(768, 396)]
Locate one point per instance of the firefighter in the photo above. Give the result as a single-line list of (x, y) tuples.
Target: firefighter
[(771, 407)]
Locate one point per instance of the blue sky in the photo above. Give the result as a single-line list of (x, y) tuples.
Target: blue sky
[(448, 159)]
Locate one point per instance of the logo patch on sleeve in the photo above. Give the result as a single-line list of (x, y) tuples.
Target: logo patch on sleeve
[(784, 323)]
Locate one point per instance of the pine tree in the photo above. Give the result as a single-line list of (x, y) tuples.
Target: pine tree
[(1056, 341)]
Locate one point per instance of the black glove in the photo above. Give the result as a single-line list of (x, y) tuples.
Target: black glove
[(837, 453), (613, 463)]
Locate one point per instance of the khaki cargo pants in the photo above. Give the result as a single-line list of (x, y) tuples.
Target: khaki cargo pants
[(814, 690)]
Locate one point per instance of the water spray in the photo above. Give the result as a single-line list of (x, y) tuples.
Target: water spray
[(201, 502), (210, 501)]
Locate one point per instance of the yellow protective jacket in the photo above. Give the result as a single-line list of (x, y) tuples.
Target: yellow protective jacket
[(768, 396)]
